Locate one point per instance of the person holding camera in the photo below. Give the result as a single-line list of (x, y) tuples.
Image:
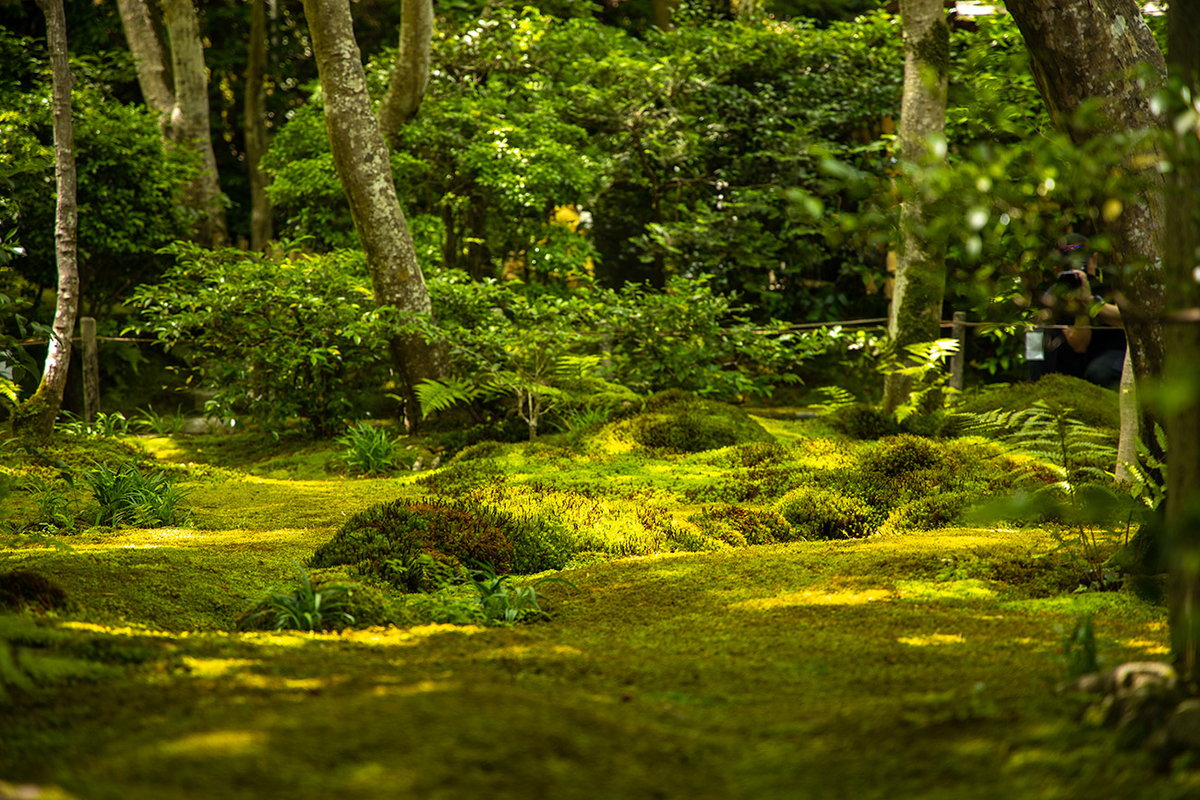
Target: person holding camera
[(1087, 339)]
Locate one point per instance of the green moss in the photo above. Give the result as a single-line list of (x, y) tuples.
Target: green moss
[(817, 513), (1092, 405), (676, 422)]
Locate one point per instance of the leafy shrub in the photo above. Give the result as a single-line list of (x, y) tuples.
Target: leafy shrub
[(274, 337), (307, 608), (127, 496), (459, 532), (817, 513), (747, 525), (677, 423)]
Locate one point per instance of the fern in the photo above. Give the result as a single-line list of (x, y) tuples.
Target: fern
[(835, 398), (923, 366), (440, 395)]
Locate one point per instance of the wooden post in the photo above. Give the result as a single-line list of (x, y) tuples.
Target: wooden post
[(960, 358), (91, 369)]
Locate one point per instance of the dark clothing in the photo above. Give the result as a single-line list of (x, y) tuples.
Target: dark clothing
[(1101, 364)]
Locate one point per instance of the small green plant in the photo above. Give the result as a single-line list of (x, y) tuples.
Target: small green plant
[(1079, 648), (127, 496), (923, 366), (1081, 498), (162, 424), (836, 398), (504, 602), (305, 609), (56, 507), (369, 450)]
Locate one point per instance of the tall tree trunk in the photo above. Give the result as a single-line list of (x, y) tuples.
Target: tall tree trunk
[(189, 124), (410, 72), (361, 159), (255, 122), (916, 310), (1082, 50), (150, 55), (182, 104), (1183, 354), (35, 417), (664, 10)]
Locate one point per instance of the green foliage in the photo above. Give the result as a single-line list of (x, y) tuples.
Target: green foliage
[(273, 337), (105, 424), (128, 497), (1079, 648), (307, 608), (1090, 404), (503, 602), (816, 513), (924, 366), (369, 450), (160, 424), (128, 182)]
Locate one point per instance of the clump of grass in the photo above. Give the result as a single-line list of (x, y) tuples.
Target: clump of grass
[(306, 608), (369, 450), (127, 496)]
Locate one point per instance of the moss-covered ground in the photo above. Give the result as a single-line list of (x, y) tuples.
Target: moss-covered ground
[(920, 664)]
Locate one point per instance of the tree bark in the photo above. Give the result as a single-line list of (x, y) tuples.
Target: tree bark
[(255, 114), (150, 55), (916, 310), (410, 72), (1085, 50), (664, 10), (35, 417), (1182, 335), (361, 159), (188, 125)]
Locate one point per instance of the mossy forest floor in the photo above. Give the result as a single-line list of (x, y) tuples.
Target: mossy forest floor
[(914, 665)]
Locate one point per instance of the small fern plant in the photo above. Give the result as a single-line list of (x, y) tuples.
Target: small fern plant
[(1083, 496), (924, 366)]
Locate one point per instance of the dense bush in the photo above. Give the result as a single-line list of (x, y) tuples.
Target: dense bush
[(817, 513), (274, 338)]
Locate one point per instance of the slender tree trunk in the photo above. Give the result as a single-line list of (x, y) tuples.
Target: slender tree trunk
[(1127, 403), (664, 10), (410, 72), (1085, 50), (189, 124), (916, 310), (360, 157), (1183, 354), (35, 417), (255, 122), (150, 55)]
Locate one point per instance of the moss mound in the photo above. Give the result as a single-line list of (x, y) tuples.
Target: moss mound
[(22, 588), (1090, 404), (817, 513), (679, 422), (740, 526), (387, 540)]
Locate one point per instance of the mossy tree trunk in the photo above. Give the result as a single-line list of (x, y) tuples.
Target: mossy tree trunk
[(361, 159), (410, 72), (916, 311), (174, 83), (35, 417), (1096, 50), (1182, 345), (254, 112)]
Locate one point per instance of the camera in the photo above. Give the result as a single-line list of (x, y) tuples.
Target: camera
[(1068, 279)]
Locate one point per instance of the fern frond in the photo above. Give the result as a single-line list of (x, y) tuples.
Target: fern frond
[(440, 395)]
